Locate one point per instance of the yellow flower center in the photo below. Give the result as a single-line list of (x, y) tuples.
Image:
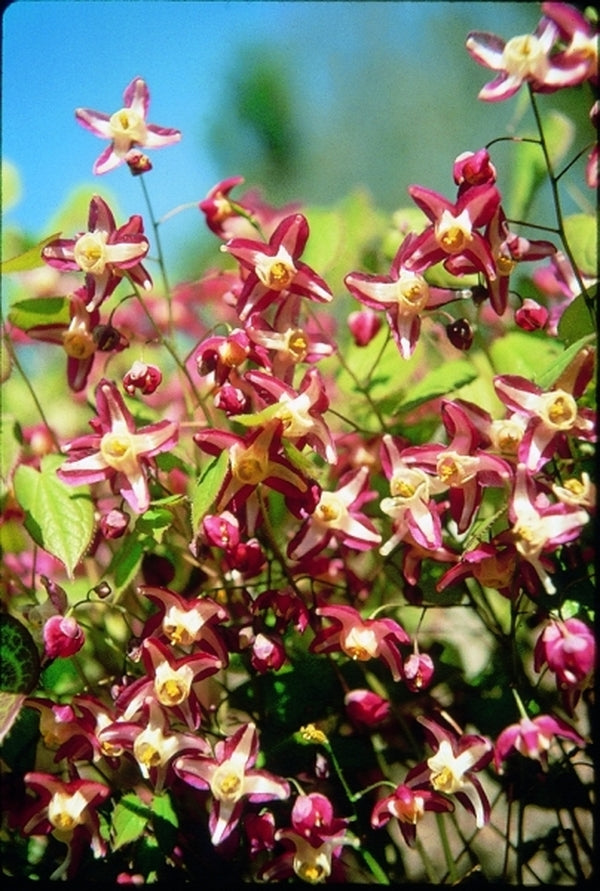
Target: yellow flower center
[(64, 810), (401, 489), (328, 509), (127, 126), (276, 272), (575, 486), (297, 345), (360, 644), (453, 233), (172, 692), (250, 470), (227, 783), (559, 409), (313, 873), (412, 293), (445, 781), (118, 451), (504, 265), (147, 754), (523, 56), (78, 344), (90, 252)]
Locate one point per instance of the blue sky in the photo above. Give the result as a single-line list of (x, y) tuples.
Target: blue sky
[(68, 53)]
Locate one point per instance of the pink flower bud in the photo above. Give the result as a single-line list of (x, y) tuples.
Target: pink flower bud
[(114, 524), (268, 653), (474, 168), (569, 650), (142, 377), (62, 637), (231, 400), (366, 709), (531, 316), (364, 325), (138, 162), (418, 671)]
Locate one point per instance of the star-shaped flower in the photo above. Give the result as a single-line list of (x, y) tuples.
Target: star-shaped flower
[(116, 450), (126, 128)]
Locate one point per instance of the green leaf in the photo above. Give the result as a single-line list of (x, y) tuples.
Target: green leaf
[(547, 377), (165, 822), (576, 321), (523, 354), (19, 656), (155, 522), (30, 259), (129, 820), (62, 678), (581, 233), (440, 382), (59, 518), (257, 418), (126, 561), (26, 314), (207, 488)]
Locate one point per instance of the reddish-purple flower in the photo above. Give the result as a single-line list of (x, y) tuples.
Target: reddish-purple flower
[(408, 806), (453, 230), (452, 768), (568, 648), (230, 776), (67, 810), (403, 294), (104, 253), (361, 639), (532, 737), (526, 58), (275, 270), (126, 128), (116, 451), (338, 517)]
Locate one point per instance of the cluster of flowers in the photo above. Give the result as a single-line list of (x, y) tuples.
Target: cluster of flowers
[(261, 412)]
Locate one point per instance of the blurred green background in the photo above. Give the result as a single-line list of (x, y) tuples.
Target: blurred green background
[(309, 100)]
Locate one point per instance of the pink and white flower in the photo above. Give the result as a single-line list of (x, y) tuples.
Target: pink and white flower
[(230, 777), (116, 451), (104, 253), (127, 128)]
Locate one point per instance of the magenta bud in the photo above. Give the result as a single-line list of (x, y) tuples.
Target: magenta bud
[(62, 637), (142, 377), (364, 325), (531, 316)]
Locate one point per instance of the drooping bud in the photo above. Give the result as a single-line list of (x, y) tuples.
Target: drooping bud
[(460, 334)]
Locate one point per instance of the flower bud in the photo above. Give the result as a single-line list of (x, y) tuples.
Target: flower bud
[(364, 325), (366, 709), (142, 377), (108, 338), (62, 637), (474, 169), (231, 400), (531, 316), (267, 653), (418, 671), (569, 650), (114, 524), (460, 334), (137, 162)]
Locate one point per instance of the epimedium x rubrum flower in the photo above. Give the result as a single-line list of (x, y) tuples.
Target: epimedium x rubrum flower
[(127, 128), (231, 777), (404, 294), (116, 450), (275, 270), (105, 253)]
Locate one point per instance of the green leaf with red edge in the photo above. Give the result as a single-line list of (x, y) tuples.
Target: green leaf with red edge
[(129, 820), (26, 314), (58, 517), (207, 488), (29, 259)]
